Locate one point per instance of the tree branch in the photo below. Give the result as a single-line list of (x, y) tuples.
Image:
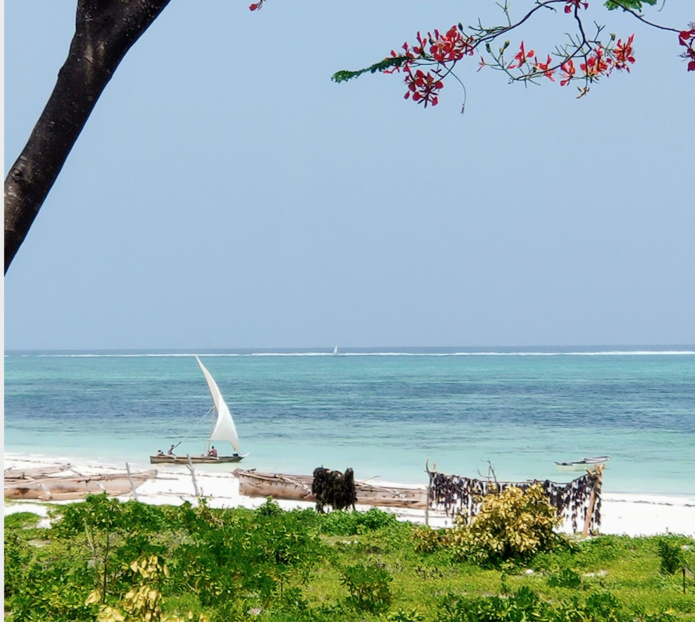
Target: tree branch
[(104, 32)]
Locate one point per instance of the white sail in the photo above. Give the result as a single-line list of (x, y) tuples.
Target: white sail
[(224, 429)]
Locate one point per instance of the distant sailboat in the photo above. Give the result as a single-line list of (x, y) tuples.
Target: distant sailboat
[(223, 430), (335, 351)]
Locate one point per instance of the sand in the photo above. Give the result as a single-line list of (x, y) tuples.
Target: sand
[(630, 514)]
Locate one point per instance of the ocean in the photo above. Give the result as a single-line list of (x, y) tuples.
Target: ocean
[(383, 413)]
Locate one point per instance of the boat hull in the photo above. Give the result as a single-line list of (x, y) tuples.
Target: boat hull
[(298, 488), (49, 486), (581, 465), (167, 459)]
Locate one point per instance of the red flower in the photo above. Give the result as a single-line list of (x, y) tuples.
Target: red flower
[(256, 5), (686, 38), (544, 68), (568, 71), (421, 48), (624, 54), (452, 46), (572, 5), (423, 87), (521, 57), (596, 65)]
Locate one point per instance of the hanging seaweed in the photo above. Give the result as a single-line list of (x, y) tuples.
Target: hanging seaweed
[(574, 501), (333, 488)]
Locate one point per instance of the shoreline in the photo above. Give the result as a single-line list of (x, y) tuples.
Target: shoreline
[(621, 513)]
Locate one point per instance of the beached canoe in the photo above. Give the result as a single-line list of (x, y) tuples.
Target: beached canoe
[(298, 488), (46, 487)]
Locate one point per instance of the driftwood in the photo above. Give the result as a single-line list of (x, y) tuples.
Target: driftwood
[(298, 488)]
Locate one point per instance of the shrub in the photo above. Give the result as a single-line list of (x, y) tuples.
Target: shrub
[(565, 578), (671, 554), (511, 526), (21, 520), (368, 585), (343, 523), (427, 540)]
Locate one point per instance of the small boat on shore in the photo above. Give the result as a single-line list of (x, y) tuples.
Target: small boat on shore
[(298, 488), (52, 484), (223, 429), (584, 463)]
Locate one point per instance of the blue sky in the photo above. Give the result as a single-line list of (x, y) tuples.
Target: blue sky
[(226, 194)]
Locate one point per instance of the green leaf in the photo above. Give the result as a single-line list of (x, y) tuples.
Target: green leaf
[(635, 5), (388, 63)]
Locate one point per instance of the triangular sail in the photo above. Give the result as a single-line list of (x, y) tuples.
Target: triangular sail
[(224, 429)]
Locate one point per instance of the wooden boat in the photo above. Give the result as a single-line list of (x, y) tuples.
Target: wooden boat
[(201, 459), (584, 463), (298, 488), (41, 485), (223, 429)]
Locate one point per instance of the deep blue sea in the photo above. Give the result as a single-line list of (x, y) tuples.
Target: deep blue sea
[(383, 413)]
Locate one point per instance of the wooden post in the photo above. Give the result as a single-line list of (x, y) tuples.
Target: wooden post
[(429, 490), (596, 476), (192, 470), (130, 479), (427, 501)]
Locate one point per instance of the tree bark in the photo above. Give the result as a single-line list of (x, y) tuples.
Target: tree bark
[(104, 32)]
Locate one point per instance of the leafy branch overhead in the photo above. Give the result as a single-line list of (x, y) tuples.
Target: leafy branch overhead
[(587, 55)]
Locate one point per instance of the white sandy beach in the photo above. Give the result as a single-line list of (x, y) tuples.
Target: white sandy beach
[(629, 514)]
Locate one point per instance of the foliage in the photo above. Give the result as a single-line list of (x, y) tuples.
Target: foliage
[(207, 565), (428, 540), (511, 525), (525, 604), (21, 520), (368, 585), (671, 554), (341, 523)]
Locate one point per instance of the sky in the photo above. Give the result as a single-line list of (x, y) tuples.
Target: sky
[(226, 194)]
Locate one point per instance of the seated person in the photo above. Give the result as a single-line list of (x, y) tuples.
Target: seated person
[(160, 452), (212, 452)]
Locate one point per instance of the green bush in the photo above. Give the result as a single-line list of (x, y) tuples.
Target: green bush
[(344, 523), (21, 520), (368, 585), (428, 540), (671, 554), (565, 578)]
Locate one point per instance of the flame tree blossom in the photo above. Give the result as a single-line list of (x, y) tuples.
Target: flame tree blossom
[(686, 38), (432, 58)]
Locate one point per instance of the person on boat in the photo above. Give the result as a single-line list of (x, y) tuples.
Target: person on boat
[(171, 450), (213, 452), (160, 452)]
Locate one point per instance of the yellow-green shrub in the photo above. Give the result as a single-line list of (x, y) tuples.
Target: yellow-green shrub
[(511, 525)]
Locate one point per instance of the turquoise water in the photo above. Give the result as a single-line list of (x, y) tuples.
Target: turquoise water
[(381, 413)]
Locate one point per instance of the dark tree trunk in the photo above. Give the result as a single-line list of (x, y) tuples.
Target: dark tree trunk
[(104, 32)]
